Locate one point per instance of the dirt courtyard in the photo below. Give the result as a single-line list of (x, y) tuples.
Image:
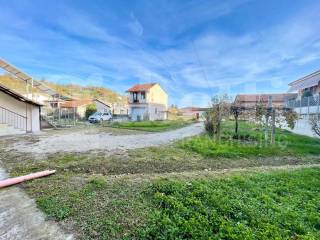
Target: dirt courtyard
[(84, 140)]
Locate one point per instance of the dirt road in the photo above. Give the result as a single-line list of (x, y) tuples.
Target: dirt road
[(82, 142)]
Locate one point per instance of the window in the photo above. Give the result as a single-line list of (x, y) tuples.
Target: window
[(135, 97), (143, 95)]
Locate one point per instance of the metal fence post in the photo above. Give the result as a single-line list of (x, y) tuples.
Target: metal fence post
[(318, 107), (308, 106)]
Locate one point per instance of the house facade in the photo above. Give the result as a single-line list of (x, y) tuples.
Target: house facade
[(18, 114), (193, 112), (307, 102), (79, 106), (306, 86), (147, 102)]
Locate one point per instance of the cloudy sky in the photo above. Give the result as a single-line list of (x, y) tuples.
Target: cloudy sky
[(194, 49)]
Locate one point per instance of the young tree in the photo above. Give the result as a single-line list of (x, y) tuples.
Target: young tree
[(236, 111), (290, 116), (219, 110)]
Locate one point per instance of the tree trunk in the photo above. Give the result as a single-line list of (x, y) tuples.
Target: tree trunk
[(237, 125)]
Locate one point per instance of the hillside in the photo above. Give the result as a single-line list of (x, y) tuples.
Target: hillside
[(72, 90)]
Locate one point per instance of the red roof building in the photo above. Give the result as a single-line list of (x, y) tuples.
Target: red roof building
[(251, 100)]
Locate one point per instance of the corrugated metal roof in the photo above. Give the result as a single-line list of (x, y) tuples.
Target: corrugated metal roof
[(26, 78), (310, 80)]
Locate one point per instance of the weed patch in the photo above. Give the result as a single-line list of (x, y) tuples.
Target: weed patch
[(279, 205)]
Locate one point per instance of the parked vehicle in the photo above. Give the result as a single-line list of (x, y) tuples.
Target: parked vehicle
[(100, 117)]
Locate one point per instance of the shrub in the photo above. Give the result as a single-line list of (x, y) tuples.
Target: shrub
[(91, 109)]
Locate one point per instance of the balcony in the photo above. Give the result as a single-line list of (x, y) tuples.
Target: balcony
[(307, 105)]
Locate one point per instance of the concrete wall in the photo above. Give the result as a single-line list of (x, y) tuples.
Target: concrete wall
[(303, 127), (31, 112), (157, 112)]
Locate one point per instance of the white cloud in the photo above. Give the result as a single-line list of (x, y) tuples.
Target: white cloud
[(135, 26)]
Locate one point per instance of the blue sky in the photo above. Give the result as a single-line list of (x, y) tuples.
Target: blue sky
[(194, 49)]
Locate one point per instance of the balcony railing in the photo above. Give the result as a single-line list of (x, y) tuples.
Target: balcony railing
[(13, 119), (305, 106), (304, 102)]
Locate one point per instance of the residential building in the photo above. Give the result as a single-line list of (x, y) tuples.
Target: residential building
[(147, 101), (18, 114), (308, 85), (251, 100), (307, 102), (79, 106), (193, 112)]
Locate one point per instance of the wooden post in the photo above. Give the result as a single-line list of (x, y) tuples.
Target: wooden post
[(273, 133)]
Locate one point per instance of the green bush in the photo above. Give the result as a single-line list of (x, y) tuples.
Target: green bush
[(91, 109)]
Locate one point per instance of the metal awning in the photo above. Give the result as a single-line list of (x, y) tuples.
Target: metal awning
[(29, 80), (305, 82)]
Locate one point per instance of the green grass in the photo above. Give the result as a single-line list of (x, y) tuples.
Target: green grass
[(281, 205), (88, 200), (251, 142), (151, 126), (94, 209), (272, 205)]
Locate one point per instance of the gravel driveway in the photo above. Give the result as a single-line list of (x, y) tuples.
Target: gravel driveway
[(81, 142)]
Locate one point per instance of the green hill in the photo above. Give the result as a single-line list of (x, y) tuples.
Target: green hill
[(72, 90)]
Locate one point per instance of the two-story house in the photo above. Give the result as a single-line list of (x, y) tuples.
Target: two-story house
[(307, 103), (307, 86), (148, 102)]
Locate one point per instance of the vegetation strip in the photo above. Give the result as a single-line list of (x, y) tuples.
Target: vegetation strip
[(277, 205), (150, 126)]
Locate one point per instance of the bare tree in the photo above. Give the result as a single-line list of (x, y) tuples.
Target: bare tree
[(315, 125)]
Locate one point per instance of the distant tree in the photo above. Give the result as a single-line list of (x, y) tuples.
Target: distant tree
[(91, 109)]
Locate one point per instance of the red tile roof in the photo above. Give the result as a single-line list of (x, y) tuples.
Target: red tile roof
[(264, 97), (141, 87), (193, 109), (76, 103)]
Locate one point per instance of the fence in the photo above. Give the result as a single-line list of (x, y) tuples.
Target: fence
[(304, 102), (307, 105)]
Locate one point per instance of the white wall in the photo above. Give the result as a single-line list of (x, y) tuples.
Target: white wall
[(138, 113), (102, 107), (303, 127), (24, 109)]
